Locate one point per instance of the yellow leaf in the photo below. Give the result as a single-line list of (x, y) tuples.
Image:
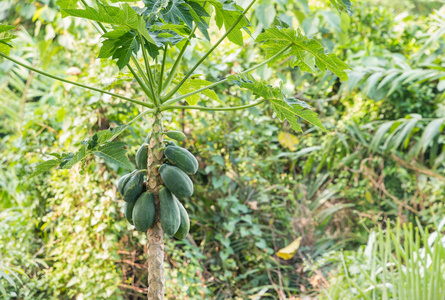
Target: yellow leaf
[(289, 251), (368, 197), (288, 140)]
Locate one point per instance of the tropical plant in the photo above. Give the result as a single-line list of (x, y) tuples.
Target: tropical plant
[(140, 39), (9, 274), (403, 262)]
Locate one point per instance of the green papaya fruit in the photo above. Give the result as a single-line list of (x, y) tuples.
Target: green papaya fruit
[(182, 158), (176, 135), (142, 157), (184, 227), (176, 180), (123, 181), (134, 186), (128, 212), (170, 215), (144, 211)]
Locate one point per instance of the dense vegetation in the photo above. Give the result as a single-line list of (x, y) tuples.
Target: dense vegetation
[(345, 199)]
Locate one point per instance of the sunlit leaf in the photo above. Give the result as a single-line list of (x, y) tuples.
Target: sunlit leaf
[(114, 153), (45, 166), (5, 38), (288, 140), (123, 16), (119, 44), (286, 108), (289, 251), (306, 52), (192, 85)]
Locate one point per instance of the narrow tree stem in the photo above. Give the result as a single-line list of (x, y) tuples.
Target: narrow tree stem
[(75, 83), (178, 86), (225, 80), (203, 108), (155, 234)]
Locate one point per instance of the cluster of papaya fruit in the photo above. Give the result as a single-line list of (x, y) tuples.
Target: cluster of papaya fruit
[(140, 207)]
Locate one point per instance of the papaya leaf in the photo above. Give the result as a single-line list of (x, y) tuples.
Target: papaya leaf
[(66, 4), (178, 12), (226, 14), (154, 7), (124, 16), (199, 13), (119, 44), (286, 108), (193, 84), (101, 144), (77, 157), (342, 4), (114, 153), (306, 52), (45, 166), (5, 38)]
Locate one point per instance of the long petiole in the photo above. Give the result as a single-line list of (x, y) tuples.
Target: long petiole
[(148, 111), (203, 108), (161, 76), (75, 83), (225, 80), (148, 70), (174, 69), (144, 78), (141, 83), (178, 86)]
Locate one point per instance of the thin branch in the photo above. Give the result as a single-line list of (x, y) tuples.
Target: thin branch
[(144, 78), (203, 108), (174, 69), (178, 86), (148, 70), (131, 122), (415, 166), (225, 80), (161, 76), (75, 83), (141, 83)]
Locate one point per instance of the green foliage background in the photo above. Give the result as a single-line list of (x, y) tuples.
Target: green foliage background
[(259, 187)]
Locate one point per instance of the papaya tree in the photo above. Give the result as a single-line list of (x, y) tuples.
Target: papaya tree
[(139, 39)]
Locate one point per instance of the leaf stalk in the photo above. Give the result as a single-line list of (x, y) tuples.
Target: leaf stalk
[(203, 108), (178, 86), (226, 79), (145, 104)]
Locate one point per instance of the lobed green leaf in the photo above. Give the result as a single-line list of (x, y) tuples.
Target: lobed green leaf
[(286, 108), (124, 16), (306, 52)]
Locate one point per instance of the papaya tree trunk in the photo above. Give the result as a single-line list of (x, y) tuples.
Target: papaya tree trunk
[(155, 234)]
